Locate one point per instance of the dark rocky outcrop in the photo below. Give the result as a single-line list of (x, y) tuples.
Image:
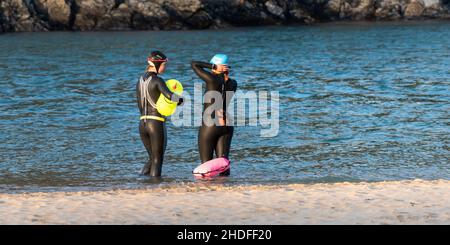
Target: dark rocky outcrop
[(350, 10), (20, 15), (85, 15), (55, 12)]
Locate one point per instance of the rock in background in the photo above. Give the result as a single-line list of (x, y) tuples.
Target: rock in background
[(20, 15), (86, 15), (56, 13)]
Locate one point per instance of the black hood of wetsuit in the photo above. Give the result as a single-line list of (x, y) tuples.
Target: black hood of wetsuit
[(157, 58)]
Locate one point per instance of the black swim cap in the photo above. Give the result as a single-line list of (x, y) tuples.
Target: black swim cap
[(157, 58)]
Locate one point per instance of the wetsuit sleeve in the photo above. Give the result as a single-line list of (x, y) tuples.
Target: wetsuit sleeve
[(165, 91), (199, 69)]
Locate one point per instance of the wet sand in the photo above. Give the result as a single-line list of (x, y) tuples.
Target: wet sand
[(396, 202)]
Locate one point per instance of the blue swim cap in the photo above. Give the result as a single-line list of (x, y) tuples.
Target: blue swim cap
[(219, 59)]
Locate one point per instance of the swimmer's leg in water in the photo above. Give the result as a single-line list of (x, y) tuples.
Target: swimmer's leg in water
[(153, 135), (212, 139), (207, 141), (224, 144), (223, 147), (146, 140)]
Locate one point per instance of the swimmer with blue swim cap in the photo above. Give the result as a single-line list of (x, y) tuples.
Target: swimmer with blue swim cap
[(217, 138)]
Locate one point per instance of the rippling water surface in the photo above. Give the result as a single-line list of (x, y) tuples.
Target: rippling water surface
[(358, 102)]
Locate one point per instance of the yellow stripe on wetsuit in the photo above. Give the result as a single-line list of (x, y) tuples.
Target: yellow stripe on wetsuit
[(153, 117)]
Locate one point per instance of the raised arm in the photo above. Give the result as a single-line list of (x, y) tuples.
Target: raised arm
[(199, 69)]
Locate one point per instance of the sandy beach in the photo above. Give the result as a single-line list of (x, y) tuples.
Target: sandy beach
[(396, 202)]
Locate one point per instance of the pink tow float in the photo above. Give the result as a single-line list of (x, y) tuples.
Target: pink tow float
[(212, 168)]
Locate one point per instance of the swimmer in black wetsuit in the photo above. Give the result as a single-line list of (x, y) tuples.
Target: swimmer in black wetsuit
[(152, 128), (217, 137)]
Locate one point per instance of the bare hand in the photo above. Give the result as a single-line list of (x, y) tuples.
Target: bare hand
[(222, 68)]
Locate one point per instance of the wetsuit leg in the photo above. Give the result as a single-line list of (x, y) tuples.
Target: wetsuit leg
[(207, 141), (156, 136), (224, 143), (146, 140)]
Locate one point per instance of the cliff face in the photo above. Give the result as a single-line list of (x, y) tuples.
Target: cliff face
[(84, 15)]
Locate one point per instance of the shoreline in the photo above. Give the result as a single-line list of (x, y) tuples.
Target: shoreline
[(392, 202)]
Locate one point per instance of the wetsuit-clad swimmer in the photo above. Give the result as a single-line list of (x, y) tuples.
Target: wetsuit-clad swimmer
[(152, 128), (217, 137)]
